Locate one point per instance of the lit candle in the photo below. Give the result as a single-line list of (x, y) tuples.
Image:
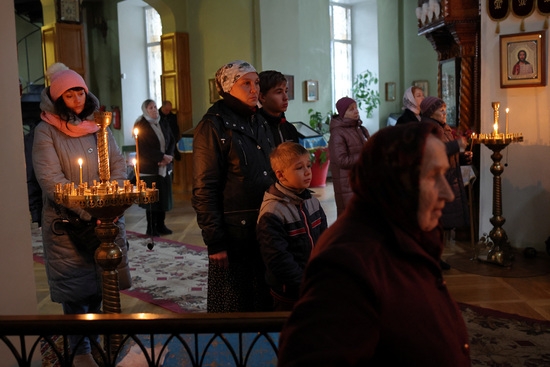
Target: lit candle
[(495, 127), (80, 165), (507, 110), (136, 172), (136, 165)]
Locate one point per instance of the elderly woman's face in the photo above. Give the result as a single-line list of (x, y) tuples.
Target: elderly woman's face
[(440, 114), (434, 188), (246, 89), (152, 110)]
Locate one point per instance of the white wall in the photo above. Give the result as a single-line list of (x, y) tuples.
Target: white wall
[(292, 31), (17, 284), (365, 50), (133, 64), (526, 180)]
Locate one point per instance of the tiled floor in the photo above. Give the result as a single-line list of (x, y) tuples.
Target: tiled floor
[(528, 297)]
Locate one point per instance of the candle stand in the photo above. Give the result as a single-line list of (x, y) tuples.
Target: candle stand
[(500, 251), (106, 201)]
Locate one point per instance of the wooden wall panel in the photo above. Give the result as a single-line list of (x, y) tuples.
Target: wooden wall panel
[(176, 87)]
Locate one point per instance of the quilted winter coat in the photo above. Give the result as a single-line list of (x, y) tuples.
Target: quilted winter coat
[(70, 276), (347, 137)]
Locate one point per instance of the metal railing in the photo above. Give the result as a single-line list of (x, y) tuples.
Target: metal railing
[(242, 338)]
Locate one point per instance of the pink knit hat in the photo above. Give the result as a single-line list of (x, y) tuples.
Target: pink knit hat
[(343, 104), (62, 79)]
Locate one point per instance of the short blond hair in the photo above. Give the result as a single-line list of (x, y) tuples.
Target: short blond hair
[(285, 154)]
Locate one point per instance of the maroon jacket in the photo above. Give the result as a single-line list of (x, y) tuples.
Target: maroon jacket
[(347, 137), (373, 293), (374, 297)]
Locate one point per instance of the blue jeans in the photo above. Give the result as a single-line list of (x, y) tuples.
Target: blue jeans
[(92, 304)]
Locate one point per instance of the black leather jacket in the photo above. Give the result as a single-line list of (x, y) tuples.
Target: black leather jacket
[(231, 172)]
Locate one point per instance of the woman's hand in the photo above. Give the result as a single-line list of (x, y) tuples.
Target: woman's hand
[(220, 259), (166, 160)]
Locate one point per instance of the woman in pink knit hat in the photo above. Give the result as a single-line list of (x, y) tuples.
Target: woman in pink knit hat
[(66, 134)]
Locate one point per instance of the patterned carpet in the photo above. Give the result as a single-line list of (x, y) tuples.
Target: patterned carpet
[(172, 275), (499, 339)]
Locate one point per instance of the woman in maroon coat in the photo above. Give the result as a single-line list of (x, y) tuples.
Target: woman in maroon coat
[(373, 292), (347, 136)]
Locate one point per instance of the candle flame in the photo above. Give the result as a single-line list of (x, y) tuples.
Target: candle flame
[(507, 110), (134, 161), (136, 131), (80, 162)]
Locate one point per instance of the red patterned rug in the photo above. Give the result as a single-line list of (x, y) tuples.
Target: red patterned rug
[(500, 339), (172, 275)]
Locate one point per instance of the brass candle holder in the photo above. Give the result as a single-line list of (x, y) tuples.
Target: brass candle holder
[(500, 251), (107, 201)]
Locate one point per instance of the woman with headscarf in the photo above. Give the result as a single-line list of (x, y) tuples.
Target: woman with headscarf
[(156, 153), (372, 292), (347, 136), (68, 132), (455, 213), (231, 172), (412, 98)]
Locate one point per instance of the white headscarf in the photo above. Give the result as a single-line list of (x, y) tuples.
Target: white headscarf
[(409, 101)]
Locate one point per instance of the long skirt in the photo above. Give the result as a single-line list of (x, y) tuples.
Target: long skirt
[(164, 185)]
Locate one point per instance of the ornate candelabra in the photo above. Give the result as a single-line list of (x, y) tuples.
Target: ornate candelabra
[(500, 251), (107, 201)]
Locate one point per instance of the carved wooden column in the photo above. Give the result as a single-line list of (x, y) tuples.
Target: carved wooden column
[(455, 34)]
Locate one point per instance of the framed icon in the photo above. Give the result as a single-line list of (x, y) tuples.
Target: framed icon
[(523, 59)]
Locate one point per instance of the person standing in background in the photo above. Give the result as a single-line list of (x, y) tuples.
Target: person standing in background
[(169, 118), (274, 100), (68, 132), (231, 172), (412, 98), (455, 213), (347, 136), (156, 152)]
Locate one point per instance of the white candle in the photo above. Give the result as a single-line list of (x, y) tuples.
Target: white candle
[(136, 172), (80, 165), (507, 110), (136, 165)]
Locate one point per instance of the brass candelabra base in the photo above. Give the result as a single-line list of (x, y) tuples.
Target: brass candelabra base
[(500, 252), (107, 208)]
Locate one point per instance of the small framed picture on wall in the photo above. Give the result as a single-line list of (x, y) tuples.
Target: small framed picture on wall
[(312, 90)]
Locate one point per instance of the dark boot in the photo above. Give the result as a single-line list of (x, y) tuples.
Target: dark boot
[(161, 227), (151, 223)]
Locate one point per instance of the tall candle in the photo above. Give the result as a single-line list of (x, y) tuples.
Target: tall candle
[(136, 172), (80, 165), (507, 110), (136, 131)]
